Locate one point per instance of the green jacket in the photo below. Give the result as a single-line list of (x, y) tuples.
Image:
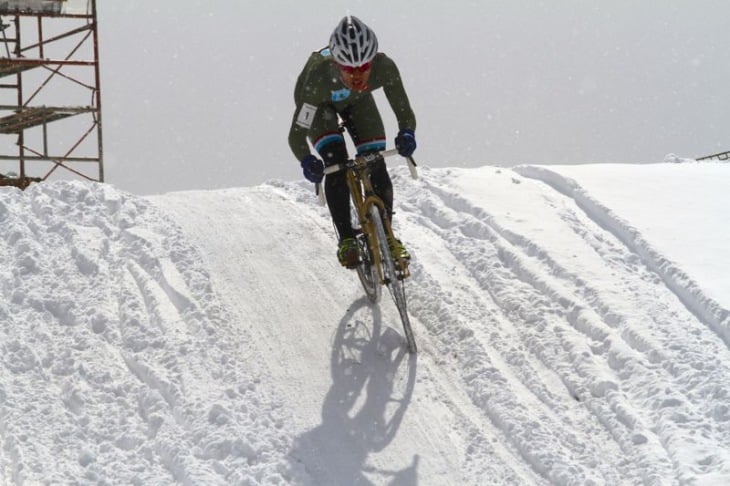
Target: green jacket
[(319, 85)]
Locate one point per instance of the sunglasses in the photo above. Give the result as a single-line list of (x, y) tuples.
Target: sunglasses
[(363, 68)]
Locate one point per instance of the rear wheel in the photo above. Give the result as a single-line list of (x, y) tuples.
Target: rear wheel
[(393, 280), (367, 272)]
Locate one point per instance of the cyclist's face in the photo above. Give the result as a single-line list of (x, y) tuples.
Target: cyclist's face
[(356, 78)]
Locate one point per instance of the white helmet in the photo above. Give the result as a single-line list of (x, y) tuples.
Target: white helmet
[(353, 43)]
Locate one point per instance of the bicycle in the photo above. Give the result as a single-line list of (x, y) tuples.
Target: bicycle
[(378, 267)]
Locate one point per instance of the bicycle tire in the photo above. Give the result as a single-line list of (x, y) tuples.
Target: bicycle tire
[(367, 272), (396, 285)]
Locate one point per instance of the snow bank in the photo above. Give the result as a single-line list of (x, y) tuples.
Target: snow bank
[(211, 338)]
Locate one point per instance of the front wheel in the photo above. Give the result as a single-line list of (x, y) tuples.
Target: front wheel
[(395, 284)]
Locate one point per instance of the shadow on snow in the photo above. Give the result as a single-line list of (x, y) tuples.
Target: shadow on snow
[(373, 376)]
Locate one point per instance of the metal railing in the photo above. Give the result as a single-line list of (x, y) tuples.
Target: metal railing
[(724, 156)]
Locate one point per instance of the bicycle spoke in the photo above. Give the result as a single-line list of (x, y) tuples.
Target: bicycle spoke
[(367, 272)]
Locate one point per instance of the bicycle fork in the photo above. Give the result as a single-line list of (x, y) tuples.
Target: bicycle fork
[(366, 222)]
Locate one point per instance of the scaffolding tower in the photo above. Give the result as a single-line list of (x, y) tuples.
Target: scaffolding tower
[(50, 93)]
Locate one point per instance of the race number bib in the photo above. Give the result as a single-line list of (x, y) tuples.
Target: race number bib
[(306, 115)]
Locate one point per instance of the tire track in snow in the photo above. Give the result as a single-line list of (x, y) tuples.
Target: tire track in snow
[(488, 454), (687, 291), (180, 357), (500, 376), (585, 313), (358, 429), (677, 322), (503, 290)]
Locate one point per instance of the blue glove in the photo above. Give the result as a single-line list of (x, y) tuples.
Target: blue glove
[(405, 142), (313, 168)]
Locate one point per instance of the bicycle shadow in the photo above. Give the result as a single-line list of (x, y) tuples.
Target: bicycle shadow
[(373, 377)]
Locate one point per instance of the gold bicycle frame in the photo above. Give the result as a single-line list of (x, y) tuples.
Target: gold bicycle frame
[(368, 207), (363, 197)]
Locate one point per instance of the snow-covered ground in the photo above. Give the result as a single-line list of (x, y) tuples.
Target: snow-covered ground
[(572, 322)]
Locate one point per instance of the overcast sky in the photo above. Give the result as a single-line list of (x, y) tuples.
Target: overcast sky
[(197, 94)]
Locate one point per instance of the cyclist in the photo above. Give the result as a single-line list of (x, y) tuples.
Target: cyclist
[(337, 81)]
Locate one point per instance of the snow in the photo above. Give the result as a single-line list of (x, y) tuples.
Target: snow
[(572, 324)]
